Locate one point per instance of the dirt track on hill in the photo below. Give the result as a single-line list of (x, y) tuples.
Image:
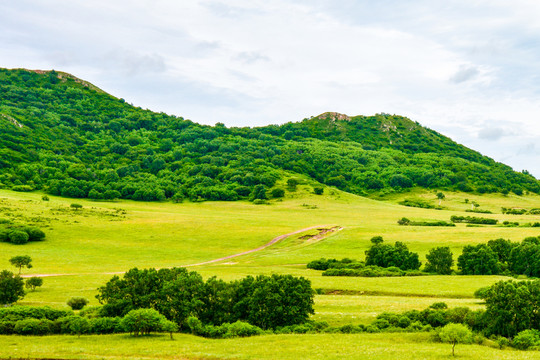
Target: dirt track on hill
[(324, 231)]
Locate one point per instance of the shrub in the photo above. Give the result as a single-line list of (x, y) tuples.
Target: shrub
[(318, 190), (33, 282), (105, 325), (33, 327), (18, 237), (278, 193), (143, 321), (77, 303), (526, 339), (76, 206), (34, 234)]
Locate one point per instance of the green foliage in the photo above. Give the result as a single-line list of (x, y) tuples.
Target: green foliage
[(455, 334), (11, 288), (91, 144), (35, 312), (526, 340), (473, 220), (33, 327), (318, 190), (18, 237), (76, 206), (440, 260), (21, 261), (278, 193), (263, 301), (33, 283), (144, 321), (478, 260), (385, 255), (77, 303), (512, 307)]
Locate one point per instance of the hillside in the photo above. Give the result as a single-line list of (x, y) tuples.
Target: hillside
[(65, 136)]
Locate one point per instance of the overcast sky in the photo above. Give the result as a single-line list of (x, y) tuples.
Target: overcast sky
[(469, 69)]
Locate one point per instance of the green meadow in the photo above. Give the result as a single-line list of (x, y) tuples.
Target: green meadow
[(85, 247)]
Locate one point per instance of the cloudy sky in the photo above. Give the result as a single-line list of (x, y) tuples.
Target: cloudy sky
[(468, 69)]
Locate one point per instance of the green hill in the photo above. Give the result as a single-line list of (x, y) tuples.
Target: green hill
[(67, 137)]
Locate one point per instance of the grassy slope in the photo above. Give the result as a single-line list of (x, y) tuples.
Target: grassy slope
[(99, 239)]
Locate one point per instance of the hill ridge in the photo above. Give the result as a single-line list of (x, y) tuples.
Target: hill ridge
[(79, 141)]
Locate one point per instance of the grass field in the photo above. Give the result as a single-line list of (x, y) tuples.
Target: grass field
[(284, 347), (85, 246)]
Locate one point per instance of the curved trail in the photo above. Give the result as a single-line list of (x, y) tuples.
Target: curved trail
[(268, 244)]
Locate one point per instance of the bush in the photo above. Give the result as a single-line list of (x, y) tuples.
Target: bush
[(143, 321), (34, 234), (76, 206), (33, 327), (18, 237), (105, 325), (33, 282), (77, 303), (318, 190), (278, 193), (15, 313), (526, 339)]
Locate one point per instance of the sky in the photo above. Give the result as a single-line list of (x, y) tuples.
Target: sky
[(469, 69)]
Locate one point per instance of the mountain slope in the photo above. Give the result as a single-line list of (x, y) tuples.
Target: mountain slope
[(67, 137)]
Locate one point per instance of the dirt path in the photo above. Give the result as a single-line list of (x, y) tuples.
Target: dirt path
[(323, 233)]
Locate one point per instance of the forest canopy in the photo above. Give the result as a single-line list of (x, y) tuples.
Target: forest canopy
[(66, 137)]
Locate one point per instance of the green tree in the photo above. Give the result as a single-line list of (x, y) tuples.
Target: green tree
[(258, 193), (77, 303), (441, 197), (79, 325), (144, 321), (272, 301), (33, 283), (11, 287), (455, 334), (21, 261), (440, 260), (478, 260), (512, 307)]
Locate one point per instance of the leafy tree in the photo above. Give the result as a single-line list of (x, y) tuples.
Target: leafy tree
[(33, 283), (77, 303), (272, 301), (259, 193), (21, 261), (440, 260), (385, 255), (11, 288), (79, 325), (278, 193), (502, 248), (512, 307), (455, 334), (441, 197), (145, 321), (292, 183), (478, 260)]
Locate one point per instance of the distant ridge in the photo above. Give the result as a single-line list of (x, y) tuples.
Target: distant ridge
[(65, 136)]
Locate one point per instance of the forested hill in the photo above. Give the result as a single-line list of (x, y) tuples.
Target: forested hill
[(67, 137)]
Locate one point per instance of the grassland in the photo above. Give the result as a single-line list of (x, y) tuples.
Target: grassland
[(86, 246)]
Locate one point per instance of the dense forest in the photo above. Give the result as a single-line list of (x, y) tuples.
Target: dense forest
[(66, 137)]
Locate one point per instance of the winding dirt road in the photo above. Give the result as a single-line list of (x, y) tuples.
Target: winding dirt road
[(327, 231)]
